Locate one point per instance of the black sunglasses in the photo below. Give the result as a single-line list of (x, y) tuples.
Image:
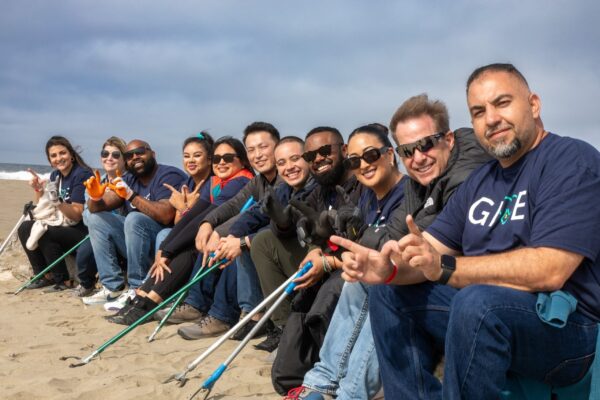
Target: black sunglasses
[(139, 151), (324, 151), (423, 145), (227, 157), (370, 156), (115, 154)]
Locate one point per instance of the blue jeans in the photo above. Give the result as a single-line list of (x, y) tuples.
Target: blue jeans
[(348, 366), (249, 293), (491, 330), (132, 237), (161, 236)]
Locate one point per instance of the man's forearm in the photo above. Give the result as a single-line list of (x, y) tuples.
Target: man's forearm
[(160, 211)]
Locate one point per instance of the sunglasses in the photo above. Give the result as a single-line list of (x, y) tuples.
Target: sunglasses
[(323, 151), (115, 154), (370, 156), (227, 157), (423, 145), (139, 151)]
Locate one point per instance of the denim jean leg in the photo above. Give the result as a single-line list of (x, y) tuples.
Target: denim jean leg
[(201, 295), (108, 238), (409, 328), (161, 236), (225, 305), (140, 236), (346, 323), (497, 329), (86, 265), (249, 293)]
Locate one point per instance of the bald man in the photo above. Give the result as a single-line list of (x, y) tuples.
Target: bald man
[(131, 236)]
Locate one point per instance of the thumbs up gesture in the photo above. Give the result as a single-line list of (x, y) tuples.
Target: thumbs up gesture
[(418, 253)]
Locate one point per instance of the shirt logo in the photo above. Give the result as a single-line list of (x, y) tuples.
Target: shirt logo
[(428, 203), (509, 209)]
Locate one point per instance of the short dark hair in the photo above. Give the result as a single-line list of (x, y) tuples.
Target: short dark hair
[(330, 129), (496, 67), (203, 139), (239, 149), (261, 127), (290, 139), (63, 141), (420, 105), (378, 130)]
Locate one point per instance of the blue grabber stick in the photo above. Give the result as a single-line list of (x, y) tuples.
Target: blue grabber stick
[(163, 321), (143, 318), (210, 382)]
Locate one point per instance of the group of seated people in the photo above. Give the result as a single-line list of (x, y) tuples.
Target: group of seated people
[(458, 258)]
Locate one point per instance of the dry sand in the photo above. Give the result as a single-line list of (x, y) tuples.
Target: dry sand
[(36, 329)]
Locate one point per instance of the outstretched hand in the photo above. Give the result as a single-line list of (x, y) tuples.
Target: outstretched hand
[(120, 187), (418, 253), (36, 182), (158, 268), (95, 187)]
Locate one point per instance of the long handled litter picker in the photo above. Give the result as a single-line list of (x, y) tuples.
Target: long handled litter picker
[(49, 267), (131, 327), (181, 377), (26, 210), (163, 321), (210, 382)]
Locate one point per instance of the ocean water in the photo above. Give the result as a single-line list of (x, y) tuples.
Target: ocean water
[(19, 172)]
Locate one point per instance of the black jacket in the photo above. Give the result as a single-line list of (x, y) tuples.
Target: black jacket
[(424, 203)]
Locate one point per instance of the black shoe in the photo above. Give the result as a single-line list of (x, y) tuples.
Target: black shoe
[(59, 287), (40, 283), (272, 340), (245, 330), (130, 316), (125, 309)]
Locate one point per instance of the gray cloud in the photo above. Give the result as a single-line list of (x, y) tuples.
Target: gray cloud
[(162, 71)]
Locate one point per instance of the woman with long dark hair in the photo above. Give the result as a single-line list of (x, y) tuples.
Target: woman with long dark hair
[(70, 171)]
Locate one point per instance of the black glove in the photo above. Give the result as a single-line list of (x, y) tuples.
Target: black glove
[(272, 207), (312, 226), (349, 220)]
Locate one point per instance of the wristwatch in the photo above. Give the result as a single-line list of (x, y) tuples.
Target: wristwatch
[(448, 268), (243, 244)]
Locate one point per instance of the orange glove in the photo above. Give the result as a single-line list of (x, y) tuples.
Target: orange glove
[(94, 188), (120, 187)]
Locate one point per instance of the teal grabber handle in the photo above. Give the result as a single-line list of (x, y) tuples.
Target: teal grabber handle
[(290, 289)]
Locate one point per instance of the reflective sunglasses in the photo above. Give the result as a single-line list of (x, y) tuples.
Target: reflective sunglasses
[(370, 156), (324, 151), (115, 154), (423, 145), (139, 151), (227, 157)]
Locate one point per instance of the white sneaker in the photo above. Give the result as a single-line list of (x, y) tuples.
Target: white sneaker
[(102, 296), (121, 301)]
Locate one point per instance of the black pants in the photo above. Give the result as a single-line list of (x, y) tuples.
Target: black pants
[(181, 269), (56, 241)]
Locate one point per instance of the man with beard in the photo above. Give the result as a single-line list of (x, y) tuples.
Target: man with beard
[(132, 236), (277, 252)]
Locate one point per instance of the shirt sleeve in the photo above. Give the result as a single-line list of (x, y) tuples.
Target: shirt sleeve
[(78, 190)]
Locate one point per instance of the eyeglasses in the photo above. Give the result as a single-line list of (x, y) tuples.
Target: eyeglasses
[(227, 157), (115, 154), (370, 156), (324, 151), (423, 145), (139, 151)]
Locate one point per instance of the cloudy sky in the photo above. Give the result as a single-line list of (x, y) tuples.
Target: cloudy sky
[(162, 71)]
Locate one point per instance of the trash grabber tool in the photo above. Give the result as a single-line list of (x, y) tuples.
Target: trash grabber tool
[(181, 377), (131, 327), (49, 267), (26, 210), (178, 301), (210, 382)]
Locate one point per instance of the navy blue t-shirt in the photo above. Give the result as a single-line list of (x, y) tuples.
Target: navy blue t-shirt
[(155, 190), (547, 199), (70, 187), (377, 212)]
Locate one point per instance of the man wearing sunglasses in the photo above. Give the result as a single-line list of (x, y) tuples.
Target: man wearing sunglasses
[(277, 252), (132, 236), (517, 237)]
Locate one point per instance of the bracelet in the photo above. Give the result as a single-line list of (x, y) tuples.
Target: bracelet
[(187, 210), (326, 266), (392, 275)]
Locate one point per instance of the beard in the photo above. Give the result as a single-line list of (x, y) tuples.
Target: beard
[(505, 150), (146, 170), (332, 177)]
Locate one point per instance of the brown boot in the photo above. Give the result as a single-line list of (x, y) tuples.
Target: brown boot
[(183, 313), (207, 327)]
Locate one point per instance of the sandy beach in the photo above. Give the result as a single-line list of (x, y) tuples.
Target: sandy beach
[(37, 329)]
